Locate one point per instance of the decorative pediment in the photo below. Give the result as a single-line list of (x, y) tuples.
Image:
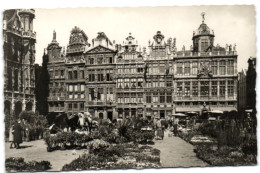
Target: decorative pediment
[(100, 49)]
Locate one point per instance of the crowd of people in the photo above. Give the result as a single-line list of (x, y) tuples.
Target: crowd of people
[(160, 125)]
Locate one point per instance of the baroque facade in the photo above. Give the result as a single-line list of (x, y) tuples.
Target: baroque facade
[(19, 57), (122, 80)]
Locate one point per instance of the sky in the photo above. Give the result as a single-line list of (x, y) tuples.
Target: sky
[(231, 25)]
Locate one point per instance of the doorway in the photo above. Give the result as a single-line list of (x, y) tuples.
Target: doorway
[(110, 115)]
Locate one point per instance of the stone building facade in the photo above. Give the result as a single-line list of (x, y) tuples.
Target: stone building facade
[(19, 57), (122, 80), (205, 75)]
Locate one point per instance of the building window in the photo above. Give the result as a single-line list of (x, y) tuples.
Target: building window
[(162, 97), (82, 87), (168, 83), (140, 97), (82, 74), (155, 97), (75, 87), (186, 68), (187, 89), (70, 74), (70, 106), (222, 67), (230, 68), (222, 88), (140, 83), (179, 68), (194, 68), (230, 88), (75, 75), (133, 83), (100, 77), (148, 84), (214, 67), (71, 88), (214, 88), (56, 73), (127, 83), (91, 61), (100, 95), (179, 89), (148, 98), (62, 73), (140, 70), (91, 77), (119, 83), (75, 105), (110, 60), (169, 97), (82, 96), (91, 94), (204, 44), (194, 88), (204, 88), (81, 106)]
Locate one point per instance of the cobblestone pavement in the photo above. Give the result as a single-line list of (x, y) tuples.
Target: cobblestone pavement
[(37, 150), (176, 152)]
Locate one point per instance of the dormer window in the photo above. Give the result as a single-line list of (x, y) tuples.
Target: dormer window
[(204, 44)]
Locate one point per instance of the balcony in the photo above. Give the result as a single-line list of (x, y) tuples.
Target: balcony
[(29, 34)]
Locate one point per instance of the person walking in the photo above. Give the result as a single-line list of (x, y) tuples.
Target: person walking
[(17, 134), (11, 136)]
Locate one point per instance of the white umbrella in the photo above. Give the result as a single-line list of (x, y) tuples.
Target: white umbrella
[(179, 115), (217, 112)]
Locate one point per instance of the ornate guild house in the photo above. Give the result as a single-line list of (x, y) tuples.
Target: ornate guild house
[(19, 57), (111, 80)]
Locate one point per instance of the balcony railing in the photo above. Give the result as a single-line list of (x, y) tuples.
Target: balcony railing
[(201, 54), (29, 34)]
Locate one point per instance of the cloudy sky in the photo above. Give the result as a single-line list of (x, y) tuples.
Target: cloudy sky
[(231, 24)]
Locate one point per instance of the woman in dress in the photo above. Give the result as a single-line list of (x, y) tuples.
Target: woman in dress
[(160, 132), (11, 136)]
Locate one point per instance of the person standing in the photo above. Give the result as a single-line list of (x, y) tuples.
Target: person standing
[(160, 131), (175, 126), (17, 134), (11, 136)]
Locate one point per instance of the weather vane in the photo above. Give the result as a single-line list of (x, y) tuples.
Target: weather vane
[(203, 16)]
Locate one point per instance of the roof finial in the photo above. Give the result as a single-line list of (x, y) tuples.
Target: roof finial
[(203, 16), (54, 36)]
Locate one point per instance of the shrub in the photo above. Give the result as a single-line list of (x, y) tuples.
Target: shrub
[(18, 164)]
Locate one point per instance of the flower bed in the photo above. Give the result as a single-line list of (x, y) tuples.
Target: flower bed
[(67, 140), (219, 144), (224, 156), (14, 164), (115, 156)]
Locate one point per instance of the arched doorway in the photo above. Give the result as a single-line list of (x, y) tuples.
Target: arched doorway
[(101, 116), (7, 107), (28, 106), (17, 108)]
